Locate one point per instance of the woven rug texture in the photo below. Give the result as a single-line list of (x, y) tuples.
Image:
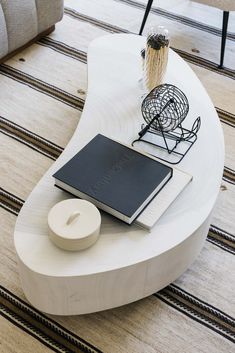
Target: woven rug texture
[(42, 94)]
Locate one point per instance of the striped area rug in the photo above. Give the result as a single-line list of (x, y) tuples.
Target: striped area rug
[(42, 93)]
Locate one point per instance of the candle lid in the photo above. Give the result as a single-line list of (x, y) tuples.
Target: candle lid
[(74, 224)]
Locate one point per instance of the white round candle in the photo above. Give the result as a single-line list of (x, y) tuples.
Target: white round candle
[(74, 224)]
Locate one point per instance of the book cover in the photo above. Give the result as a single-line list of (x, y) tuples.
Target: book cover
[(163, 200), (115, 177)]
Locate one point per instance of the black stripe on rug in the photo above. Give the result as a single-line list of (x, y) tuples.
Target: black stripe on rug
[(30, 139), (10, 202), (63, 49), (179, 18), (224, 240), (229, 175), (105, 26), (7, 208), (198, 310), (42, 87), (193, 59), (217, 236), (44, 329), (29, 329), (204, 63), (226, 117)]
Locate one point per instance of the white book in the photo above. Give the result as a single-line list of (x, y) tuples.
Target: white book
[(163, 199)]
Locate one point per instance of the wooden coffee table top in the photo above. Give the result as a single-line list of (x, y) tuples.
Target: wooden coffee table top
[(113, 108)]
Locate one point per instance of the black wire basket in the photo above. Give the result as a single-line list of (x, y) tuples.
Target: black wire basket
[(164, 109)]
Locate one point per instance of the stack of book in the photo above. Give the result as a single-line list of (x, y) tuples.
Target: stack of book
[(122, 181)]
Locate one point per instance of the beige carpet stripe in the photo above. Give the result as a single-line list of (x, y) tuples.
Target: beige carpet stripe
[(199, 311), (196, 60), (39, 112), (21, 167), (178, 18), (217, 236), (40, 326), (42, 86)]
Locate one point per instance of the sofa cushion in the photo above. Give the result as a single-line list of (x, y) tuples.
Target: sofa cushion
[(22, 20), (3, 34), (49, 12)]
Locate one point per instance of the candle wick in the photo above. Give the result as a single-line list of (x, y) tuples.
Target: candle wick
[(72, 217)]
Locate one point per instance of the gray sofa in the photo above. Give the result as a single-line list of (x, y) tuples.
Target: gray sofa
[(25, 21)]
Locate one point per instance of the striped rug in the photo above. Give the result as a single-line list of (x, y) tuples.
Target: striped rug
[(42, 95)]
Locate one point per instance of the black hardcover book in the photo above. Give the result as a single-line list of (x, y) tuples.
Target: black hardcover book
[(114, 177)]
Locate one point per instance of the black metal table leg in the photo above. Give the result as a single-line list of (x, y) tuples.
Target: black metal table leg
[(148, 7), (224, 36)]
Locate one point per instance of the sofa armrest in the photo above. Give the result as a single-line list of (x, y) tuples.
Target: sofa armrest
[(49, 13)]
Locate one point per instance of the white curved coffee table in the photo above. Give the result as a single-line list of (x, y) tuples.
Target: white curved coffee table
[(127, 263)]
